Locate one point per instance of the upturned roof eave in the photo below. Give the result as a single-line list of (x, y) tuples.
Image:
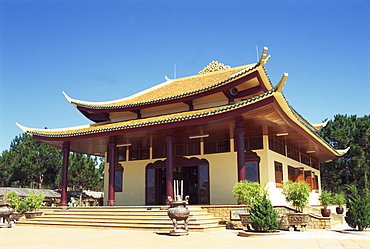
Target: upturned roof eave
[(116, 106), (151, 121)]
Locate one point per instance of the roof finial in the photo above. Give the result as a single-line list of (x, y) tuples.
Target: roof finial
[(281, 83), (213, 66), (263, 60)]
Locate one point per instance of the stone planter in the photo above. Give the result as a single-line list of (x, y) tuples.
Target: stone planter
[(5, 212), (32, 215), (258, 234), (297, 220), (15, 216), (244, 218), (179, 212)]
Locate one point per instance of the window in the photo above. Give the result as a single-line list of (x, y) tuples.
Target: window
[(121, 154), (278, 174), (139, 154), (118, 178), (252, 170), (314, 164), (217, 146), (187, 149), (305, 159), (295, 174), (277, 146), (308, 178), (293, 153), (253, 143), (159, 152)]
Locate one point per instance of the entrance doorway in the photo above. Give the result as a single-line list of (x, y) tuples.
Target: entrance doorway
[(195, 179)]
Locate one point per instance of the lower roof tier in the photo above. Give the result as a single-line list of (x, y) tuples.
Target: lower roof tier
[(266, 114)]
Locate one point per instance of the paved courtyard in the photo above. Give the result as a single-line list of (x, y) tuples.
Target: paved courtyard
[(45, 237)]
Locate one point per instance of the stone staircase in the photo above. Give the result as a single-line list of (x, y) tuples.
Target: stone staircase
[(152, 218)]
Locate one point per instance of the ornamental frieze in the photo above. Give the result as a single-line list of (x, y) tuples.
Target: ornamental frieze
[(213, 67)]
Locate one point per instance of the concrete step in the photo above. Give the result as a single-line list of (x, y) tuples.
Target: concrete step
[(148, 227), (155, 219)]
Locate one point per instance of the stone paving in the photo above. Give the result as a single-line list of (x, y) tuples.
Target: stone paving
[(47, 237)]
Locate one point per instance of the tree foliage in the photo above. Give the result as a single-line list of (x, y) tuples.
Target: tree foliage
[(347, 131), (358, 215), (247, 192), (297, 193), (263, 216), (31, 163)]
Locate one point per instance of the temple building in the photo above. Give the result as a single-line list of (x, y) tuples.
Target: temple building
[(209, 131)]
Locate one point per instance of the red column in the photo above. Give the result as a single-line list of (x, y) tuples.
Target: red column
[(169, 165), (240, 150), (65, 151), (112, 147)]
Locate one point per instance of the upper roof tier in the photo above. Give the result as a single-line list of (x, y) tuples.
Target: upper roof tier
[(171, 89), (215, 75)]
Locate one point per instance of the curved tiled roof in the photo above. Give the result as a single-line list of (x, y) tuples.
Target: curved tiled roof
[(174, 89), (168, 118)]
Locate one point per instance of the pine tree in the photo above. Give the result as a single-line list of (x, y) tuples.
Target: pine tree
[(353, 167), (358, 215), (263, 216)]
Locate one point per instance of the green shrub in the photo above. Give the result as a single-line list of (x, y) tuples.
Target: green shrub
[(296, 193), (263, 216), (34, 201), (326, 198), (14, 200), (358, 215), (23, 206), (247, 192)]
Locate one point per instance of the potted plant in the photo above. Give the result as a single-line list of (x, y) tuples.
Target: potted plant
[(340, 200), (326, 199), (31, 204), (246, 192), (297, 193)]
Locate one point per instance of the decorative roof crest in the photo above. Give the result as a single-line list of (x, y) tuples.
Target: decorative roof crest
[(213, 67)]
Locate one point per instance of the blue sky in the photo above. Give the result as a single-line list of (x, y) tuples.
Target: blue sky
[(105, 50)]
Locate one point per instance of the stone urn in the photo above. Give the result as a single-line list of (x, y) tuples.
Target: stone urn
[(5, 212), (179, 212)]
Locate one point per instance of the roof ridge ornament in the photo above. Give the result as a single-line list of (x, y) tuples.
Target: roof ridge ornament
[(279, 87), (213, 67), (264, 58)]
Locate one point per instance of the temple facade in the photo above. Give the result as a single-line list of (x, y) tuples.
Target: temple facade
[(205, 132)]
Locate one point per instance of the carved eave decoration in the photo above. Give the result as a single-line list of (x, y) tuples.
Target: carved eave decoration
[(213, 67)]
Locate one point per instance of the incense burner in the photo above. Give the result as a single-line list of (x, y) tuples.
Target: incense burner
[(179, 212)]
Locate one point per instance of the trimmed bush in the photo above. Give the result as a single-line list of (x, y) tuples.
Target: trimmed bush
[(263, 216), (358, 215), (247, 192)]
